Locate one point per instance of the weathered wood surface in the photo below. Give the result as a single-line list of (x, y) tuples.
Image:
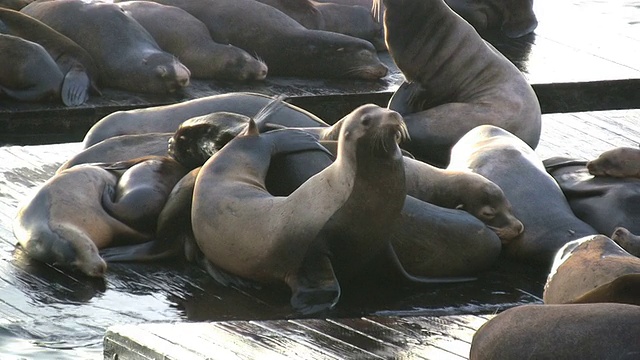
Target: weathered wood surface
[(49, 314), (583, 56)]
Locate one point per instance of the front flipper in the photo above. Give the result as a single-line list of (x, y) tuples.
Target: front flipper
[(75, 87), (314, 287), (408, 99)]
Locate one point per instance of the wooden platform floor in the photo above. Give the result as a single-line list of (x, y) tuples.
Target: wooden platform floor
[(48, 314)]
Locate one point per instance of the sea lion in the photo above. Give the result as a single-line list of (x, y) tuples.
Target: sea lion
[(593, 269), (27, 71), (541, 206), (193, 45), (14, 4), (288, 48), (627, 240), (126, 55), (75, 63), (64, 223), (619, 162), (352, 20), (603, 202), (324, 230), (121, 148), (455, 80), (142, 190), (579, 331), (514, 18), (167, 118)]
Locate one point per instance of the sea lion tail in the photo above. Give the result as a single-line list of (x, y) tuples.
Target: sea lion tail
[(75, 87)]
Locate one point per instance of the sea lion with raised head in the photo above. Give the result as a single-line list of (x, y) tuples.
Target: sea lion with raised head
[(126, 55), (27, 71), (288, 48), (167, 118), (578, 331), (191, 43), (80, 72), (64, 223), (628, 241), (593, 269), (603, 202), (327, 229), (508, 161), (455, 80)]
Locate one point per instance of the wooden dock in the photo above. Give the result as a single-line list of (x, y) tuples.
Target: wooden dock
[(176, 311)]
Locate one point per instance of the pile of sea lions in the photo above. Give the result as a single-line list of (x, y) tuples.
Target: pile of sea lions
[(257, 191), (158, 46)]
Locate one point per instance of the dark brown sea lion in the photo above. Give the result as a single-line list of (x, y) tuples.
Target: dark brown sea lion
[(14, 4), (352, 20), (74, 62), (455, 80), (167, 118), (126, 55), (514, 18), (541, 206), (193, 45), (584, 268), (142, 190), (27, 71), (287, 47), (324, 229), (64, 223), (601, 201), (619, 162), (579, 331), (121, 148), (628, 241)]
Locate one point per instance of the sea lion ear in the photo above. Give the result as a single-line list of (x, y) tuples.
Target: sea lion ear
[(161, 70)]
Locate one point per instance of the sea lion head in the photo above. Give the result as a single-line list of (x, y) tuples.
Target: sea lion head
[(200, 137), (492, 207), (238, 65), (374, 130), (168, 74), (518, 18), (618, 162)]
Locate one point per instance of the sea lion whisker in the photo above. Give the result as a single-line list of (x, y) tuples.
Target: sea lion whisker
[(269, 109)]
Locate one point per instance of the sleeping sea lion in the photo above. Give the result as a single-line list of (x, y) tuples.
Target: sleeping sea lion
[(619, 162), (593, 269), (509, 162), (126, 55), (191, 43), (628, 241), (577, 331), (75, 63), (455, 80)]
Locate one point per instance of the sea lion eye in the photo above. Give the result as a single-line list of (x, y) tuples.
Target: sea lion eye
[(365, 120)]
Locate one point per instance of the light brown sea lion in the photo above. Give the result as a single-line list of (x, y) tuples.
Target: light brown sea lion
[(324, 230), (288, 48), (541, 206), (455, 80), (619, 162), (167, 118), (582, 267), (27, 71), (604, 202), (193, 45), (64, 223), (80, 73), (628, 241), (121, 148), (126, 55), (352, 20), (578, 331)]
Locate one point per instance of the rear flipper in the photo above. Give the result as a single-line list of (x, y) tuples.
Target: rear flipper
[(154, 250), (314, 287), (75, 87)]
